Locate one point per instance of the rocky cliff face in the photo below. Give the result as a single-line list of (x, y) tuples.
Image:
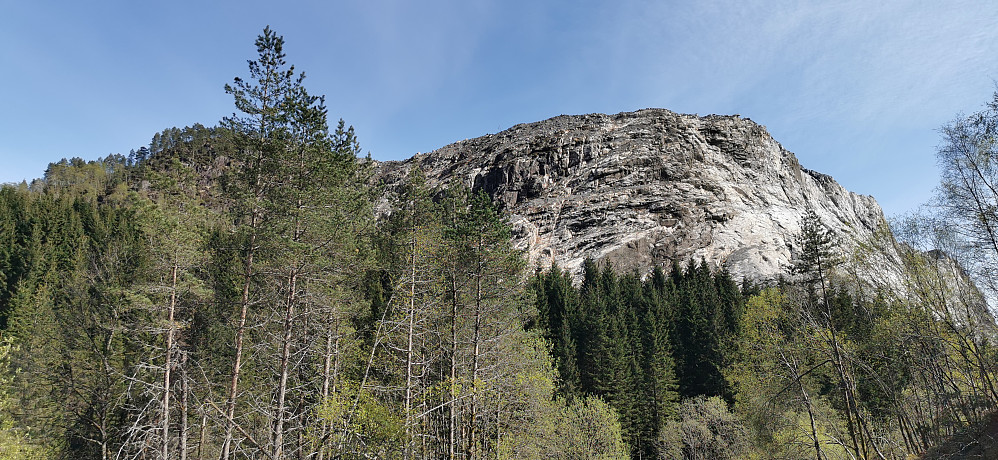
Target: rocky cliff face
[(647, 188)]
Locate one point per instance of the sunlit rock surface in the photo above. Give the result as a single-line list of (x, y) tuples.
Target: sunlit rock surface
[(648, 188)]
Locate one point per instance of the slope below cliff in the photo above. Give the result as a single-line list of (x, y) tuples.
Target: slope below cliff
[(647, 188)]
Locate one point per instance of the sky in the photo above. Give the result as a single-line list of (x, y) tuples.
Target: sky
[(856, 89)]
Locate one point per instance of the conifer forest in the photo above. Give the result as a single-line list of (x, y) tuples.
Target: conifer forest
[(247, 291)]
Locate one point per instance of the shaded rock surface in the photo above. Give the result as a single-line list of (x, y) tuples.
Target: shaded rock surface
[(647, 188)]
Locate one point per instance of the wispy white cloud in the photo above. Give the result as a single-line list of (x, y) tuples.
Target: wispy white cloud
[(852, 85), (855, 58)]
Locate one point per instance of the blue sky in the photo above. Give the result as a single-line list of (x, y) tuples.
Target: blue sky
[(856, 89)]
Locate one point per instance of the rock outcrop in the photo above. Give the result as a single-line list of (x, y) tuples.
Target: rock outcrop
[(648, 188)]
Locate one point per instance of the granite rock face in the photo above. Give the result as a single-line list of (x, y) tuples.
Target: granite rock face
[(647, 188)]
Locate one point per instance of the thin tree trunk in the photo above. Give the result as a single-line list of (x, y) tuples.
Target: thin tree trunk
[(452, 436), (810, 416), (230, 405), (282, 387), (335, 377), (203, 434), (407, 451), (168, 366), (262, 133), (792, 365), (452, 410), (498, 422), (184, 401), (859, 446), (857, 437), (363, 382), (291, 298), (326, 366), (909, 441), (475, 358)]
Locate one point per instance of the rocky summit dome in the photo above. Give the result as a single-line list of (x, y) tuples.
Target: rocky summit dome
[(647, 188)]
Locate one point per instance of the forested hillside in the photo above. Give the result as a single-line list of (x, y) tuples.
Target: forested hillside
[(230, 292)]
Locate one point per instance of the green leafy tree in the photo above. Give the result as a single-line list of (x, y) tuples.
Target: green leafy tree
[(704, 430), (590, 429)]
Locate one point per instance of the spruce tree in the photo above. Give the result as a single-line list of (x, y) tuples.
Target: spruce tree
[(558, 316)]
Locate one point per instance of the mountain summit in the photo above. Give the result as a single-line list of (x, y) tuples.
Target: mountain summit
[(646, 188)]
